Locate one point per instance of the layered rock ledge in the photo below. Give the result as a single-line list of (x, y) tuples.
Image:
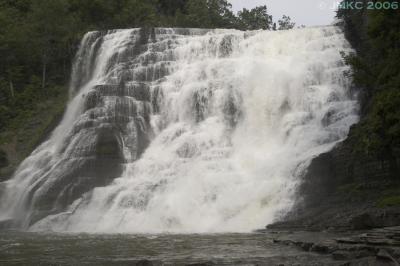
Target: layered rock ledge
[(373, 247)]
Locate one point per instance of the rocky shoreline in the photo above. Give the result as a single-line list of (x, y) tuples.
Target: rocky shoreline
[(372, 247)]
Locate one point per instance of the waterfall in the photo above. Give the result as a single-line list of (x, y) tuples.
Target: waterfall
[(185, 130)]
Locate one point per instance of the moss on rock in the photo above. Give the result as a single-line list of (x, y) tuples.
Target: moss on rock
[(389, 201)]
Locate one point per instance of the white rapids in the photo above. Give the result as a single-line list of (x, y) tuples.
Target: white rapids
[(234, 121)]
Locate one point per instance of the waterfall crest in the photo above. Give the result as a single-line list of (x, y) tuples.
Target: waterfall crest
[(186, 130)]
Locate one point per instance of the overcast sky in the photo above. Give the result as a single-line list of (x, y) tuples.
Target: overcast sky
[(306, 12)]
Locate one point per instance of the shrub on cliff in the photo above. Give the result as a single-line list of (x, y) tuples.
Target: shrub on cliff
[(375, 70)]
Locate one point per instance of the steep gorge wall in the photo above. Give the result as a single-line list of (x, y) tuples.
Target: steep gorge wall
[(343, 191), (329, 172)]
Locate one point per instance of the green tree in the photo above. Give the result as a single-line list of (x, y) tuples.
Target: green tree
[(220, 13), (285, 23), (256, 18), (136, 13), (197, 14), (50, 24)]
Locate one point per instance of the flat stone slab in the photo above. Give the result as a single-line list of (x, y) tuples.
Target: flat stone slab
[(373, 247)]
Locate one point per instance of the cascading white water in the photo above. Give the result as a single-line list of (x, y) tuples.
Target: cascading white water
[(232, 120)]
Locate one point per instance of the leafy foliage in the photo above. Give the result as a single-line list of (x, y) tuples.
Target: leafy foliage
[(285, 23), (256, 18), (379, 133), (375, 69)]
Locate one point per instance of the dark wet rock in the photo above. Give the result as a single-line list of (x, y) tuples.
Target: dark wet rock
[(328, 118), (306, 246), (146, 262), (340, 212), (3, 159), (343, 255), (368, 261), (324, 247), (385, 256), (373, 247), (6, 224), (207, 263), (362, 222), (74, 178)]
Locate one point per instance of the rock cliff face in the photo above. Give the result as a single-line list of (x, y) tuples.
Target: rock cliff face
[(341, 167), (341, 191)]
